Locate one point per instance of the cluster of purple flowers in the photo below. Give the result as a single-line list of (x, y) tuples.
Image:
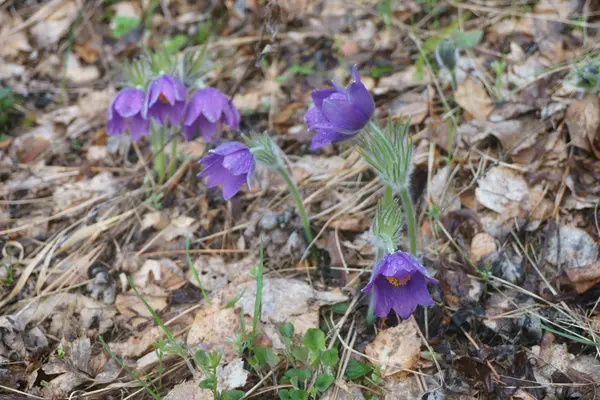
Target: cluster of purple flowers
[(165, 101)]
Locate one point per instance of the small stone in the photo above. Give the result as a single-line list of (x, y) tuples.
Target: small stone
[(268, 221), (279, 237), (482, 245), (508, 265), (577, 248), (296, 245)]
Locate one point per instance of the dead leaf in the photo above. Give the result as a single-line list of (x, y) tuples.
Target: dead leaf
[(189, 391), (213, 327), (164, 272), (70, 194), (442, 191), (232, 376), (482, 245), (413, 105), (583, 121), (79, 74), (472, 96), (137, 344), (49, 31), (584, 277), (87, 52), (399, 81), (577, 248), (215, 273), (129, 305), (502, 190), (396, 348)]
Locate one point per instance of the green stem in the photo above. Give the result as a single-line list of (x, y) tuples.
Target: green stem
[(411, 219), (161, 158), (301, 210), (388, 196), (173, 161)]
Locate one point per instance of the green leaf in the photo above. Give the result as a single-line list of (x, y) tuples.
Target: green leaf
[(203, 32), (287, 330), (300, 354), (233, 301), (357, 369), (232, 395), (314, 340), (301, 374), (122, 25), (324, 381), (330, 357), (467, 40), (340, 308), (174, 44), (206, 384), (293, 394), (261, 356)]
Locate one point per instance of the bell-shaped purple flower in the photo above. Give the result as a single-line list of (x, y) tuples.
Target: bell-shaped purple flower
[(399, 282), (125, 112), (339, 114), (207, 109), (165, 99), (230, 165)]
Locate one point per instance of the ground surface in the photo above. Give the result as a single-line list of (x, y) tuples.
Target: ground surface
[(505, 181)]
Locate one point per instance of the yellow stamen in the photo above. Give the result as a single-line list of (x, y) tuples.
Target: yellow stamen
[(162, 98), (398, 282)]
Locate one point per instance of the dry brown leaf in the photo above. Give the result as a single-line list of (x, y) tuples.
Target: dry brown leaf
[(482, 244), (401, 80), (189, 391), (71, 194), (413, 105), (129, 305), (502, 190), (583, 121), (212, 327), (49, 31), (396, 348), (215, 273), (584, 277), (442, 192), (472, 96), (164, 272), (137, 344), (79, 74)]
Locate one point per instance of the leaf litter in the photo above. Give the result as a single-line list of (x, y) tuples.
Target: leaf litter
[(506, 173)]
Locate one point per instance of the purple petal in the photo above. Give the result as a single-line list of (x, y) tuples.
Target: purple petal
[(193, 110), (321, 94), (383, 296), (324, 137), (232, 116), (201, 126), (359, 96), (139, 126), (115, 125), (239, 162), (228, 148), (233, 185), (210, 159), (129, 102), (341, 113), (214, 102)]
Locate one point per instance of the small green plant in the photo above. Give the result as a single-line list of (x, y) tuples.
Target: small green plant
[(155, 201), (499, 67), (173, 44), (60, 353), (203, 32), (384, 11), (7, 102), (122, 25)]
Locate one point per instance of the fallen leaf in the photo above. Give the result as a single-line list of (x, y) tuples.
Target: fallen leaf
[(137, 344), (502, 190), (70, 194), (232, 376), (577, 248), (584, 277), (55, 25), (189, 391), (164, 272), (213, 327), (583, 121), (413, 105), (472, 96), (215, 273), (442, 191), (130, 306), (399, 81), (79, 74), (396, 348), (482, 245)]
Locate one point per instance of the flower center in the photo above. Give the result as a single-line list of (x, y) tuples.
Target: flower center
[(163, 99), (398, 282)]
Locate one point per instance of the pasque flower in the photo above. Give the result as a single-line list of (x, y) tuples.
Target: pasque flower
[(207, 109), (125, 112), (230, 165), (399, 282), (339, 114), (165, 99)]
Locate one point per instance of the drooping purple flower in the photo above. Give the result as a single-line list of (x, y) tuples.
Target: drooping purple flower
[(165, 99), (125, 112), (230, 165), (207, 110), (339, 114), (399, 282)]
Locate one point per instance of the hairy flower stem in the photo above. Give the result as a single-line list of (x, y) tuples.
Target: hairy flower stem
[(411, 219), (173, 160), (158, 154), (388, 195), (301, 210)]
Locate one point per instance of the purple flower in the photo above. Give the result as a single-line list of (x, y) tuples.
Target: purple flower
[(125, 112), (339, 114), (231, 165), (207, 110), (399, 282), (165, 99)]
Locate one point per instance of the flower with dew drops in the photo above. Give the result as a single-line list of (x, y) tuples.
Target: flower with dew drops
[(339, 114), (125, 112), (230, 165), (399, 282), (207, 109), (165, 99)]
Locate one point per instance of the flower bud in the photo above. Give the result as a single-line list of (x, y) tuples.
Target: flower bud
[(446, 54)]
